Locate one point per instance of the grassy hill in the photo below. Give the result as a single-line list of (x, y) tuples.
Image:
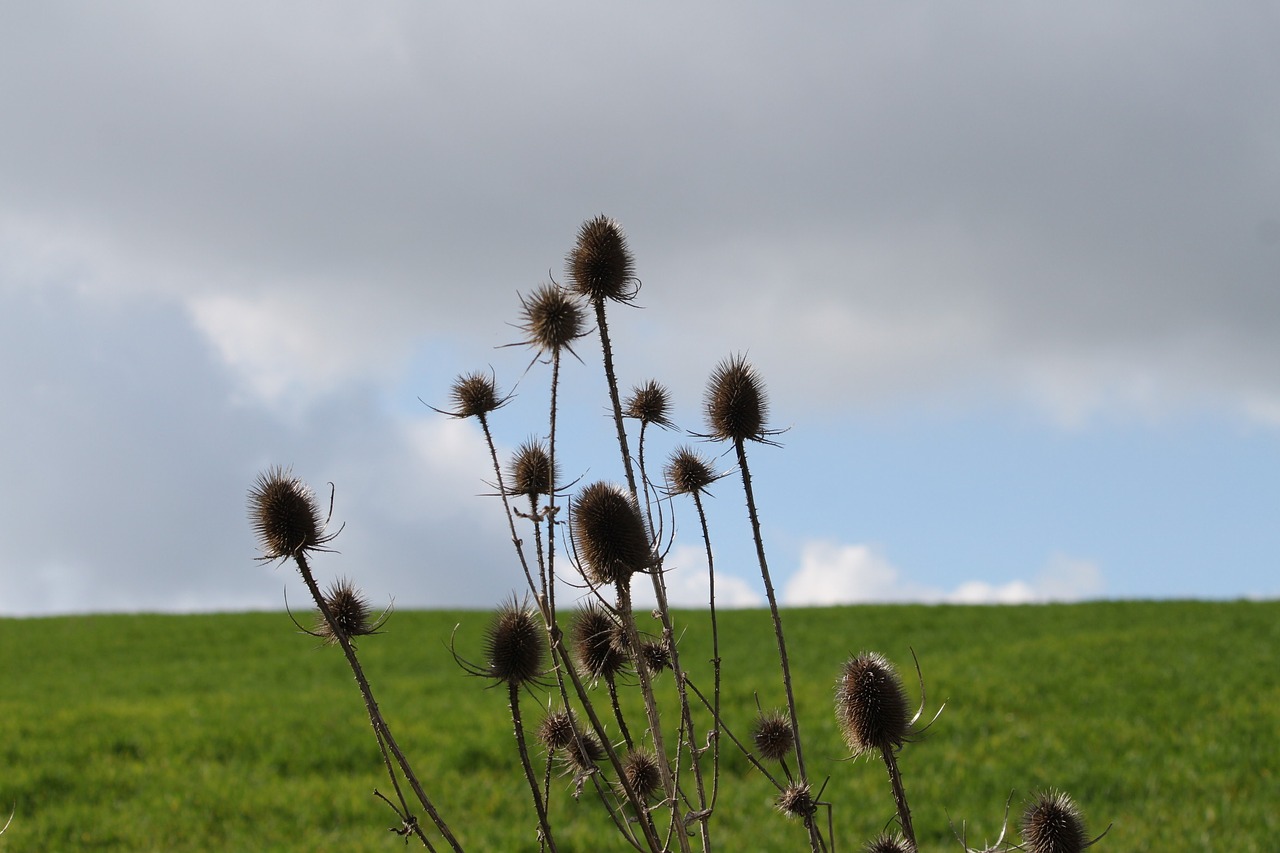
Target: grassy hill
[(233, 732)]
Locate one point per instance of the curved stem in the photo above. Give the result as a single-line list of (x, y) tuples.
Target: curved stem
[(543, 824)]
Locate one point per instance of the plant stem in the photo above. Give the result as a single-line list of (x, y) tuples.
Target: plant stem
[(543, 823), (899, 795)]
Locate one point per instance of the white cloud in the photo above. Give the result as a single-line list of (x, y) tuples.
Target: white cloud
[(832, 574)]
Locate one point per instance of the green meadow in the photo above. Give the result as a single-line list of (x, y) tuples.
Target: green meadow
[(235, 732)]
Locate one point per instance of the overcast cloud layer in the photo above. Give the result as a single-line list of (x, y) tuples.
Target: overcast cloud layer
[(235, 235)]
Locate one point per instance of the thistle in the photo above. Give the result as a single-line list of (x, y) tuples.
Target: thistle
[(351, 613), (650, 404), (642, 773), (871, 706), (609, 534), (885, 843), (552, 319), (773, 736), (600, 265), (531, 470), (1053, 824), (735, 404), (557, 730), (474, 395), (796, 800), (596, 639), (285, 516), (688, 473), (515, 646)]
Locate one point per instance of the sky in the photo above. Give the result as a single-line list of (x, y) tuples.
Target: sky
[(1010, 272)]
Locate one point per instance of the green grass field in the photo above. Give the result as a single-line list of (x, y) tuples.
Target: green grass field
[(233, 732)]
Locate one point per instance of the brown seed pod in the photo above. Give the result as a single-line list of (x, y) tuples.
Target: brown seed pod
[(350, 609), (583, 752), (642, 772), (515, 645), (531, 470), (796, 800), (735, 403), (688, 472), (474, 395), (773, 736), (650, 404), (600, 265), (551, 318), (594, 641), (609, 534), (285, 515), (556, 730), (871, 705), (655, 655), (885, 843), (1052, 824)]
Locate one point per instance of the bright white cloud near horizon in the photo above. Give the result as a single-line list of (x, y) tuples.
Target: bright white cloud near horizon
[(1011, 273)]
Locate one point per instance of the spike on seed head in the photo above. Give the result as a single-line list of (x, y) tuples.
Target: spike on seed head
[(609, 534), (285, 515), (1053, 824), (688, 472), (736, 406), (600, 265), (515, 645), (773, 736), (350, 609), (531, 470), (552, 318), (594, 641), (650, 404), (885, 843), (871, 705), (642, 772), (796, 800)]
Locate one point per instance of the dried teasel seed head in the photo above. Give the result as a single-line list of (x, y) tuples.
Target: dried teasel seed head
[(796, 800), (736, 407), (556, 731), (642, 772), (284, 515), (475, 395), (600, 265), (552, 318), (656, 656), (871, 705), (594, 642), (688, 472), (773, 736), (609, 534), (515, 645), (885, 843), (349, 608), (583, 752), (531, 470), (1053, 824), (650, 404)]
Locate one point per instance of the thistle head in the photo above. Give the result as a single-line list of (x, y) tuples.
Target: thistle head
[(594, 639), (796, 800), (350, 611), (1053, 824), (600, 265), (688, 473), (656, 656), (583, 752), (609, 534), (285, 515), (735, 403), (642, 773), (871, 705), (650, 404), (474, 395), (551, 318), (515, 645), (773, 735), (531, 473), (885, 843), (557, 730)]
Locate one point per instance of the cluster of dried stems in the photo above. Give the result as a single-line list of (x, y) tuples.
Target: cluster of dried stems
[(657, 779)]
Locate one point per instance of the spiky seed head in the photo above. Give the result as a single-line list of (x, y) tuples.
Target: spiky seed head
[(736, 407), (871, 705), (556, 730), (885, 843), (609, 534), (773, 735), (796, 800), (688, 472), (349, 608), (650, 404), (284, 515), (515, 645), (600, 265), (1053, 824), (594, 641), (656, 656), (552, 318), (642, 772), (531, 469), (474, 395), (583, 752)]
